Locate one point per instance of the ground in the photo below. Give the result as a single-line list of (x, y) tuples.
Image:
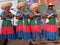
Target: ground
[(24, 42)]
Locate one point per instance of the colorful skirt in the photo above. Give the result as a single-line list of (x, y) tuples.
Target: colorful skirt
[(0, 28), (7, 30), (36, 30), (0, 33), (23, 30), (51, 31), (27, 32), (19, 29)]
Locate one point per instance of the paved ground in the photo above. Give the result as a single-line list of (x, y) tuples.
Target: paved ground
[(23, 42)]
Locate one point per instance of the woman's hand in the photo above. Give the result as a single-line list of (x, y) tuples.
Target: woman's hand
[(19, 16), (55, 15), (31, 16), (12, 15), (3, 17)]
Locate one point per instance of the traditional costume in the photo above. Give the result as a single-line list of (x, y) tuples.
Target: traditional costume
[(7, 27), (50, 26), (35, 23), (22, 30)]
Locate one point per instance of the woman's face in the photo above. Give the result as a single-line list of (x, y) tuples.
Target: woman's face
[(22, 8), (35, 9), (50, 7), (7, 8)]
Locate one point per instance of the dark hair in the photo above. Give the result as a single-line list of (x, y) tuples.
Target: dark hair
[(37, 11), (19, 8), (51, 6)]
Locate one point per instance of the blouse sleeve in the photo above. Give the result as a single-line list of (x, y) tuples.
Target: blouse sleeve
[(18, 13), (31, 13), (3, 13)]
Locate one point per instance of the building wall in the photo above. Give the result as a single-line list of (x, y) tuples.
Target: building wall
[(21, 0)]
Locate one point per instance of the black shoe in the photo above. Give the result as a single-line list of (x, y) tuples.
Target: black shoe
[(30, 43), (5, 42)]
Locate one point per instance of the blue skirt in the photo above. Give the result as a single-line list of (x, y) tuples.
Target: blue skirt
[(20, 35), (27, 35), (9, 36), (38, 34), (51, 35)]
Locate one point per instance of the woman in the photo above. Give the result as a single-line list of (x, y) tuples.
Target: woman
[(7, 28), (50, 27), (22, 30), (35, 22)]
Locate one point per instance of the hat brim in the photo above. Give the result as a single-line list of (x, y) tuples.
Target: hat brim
[(34, 5), (50, 5), (21, 4), (5, 4)]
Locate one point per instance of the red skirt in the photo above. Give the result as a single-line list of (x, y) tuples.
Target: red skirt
[(51, 27), (19, 27), (0, 31), (35, 28), (7, 30)]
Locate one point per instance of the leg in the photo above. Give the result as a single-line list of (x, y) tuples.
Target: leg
[(5, 42)]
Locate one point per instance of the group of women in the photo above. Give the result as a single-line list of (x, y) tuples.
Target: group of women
[(28, 25)]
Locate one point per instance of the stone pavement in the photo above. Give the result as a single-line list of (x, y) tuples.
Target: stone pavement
[(24, 42)]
